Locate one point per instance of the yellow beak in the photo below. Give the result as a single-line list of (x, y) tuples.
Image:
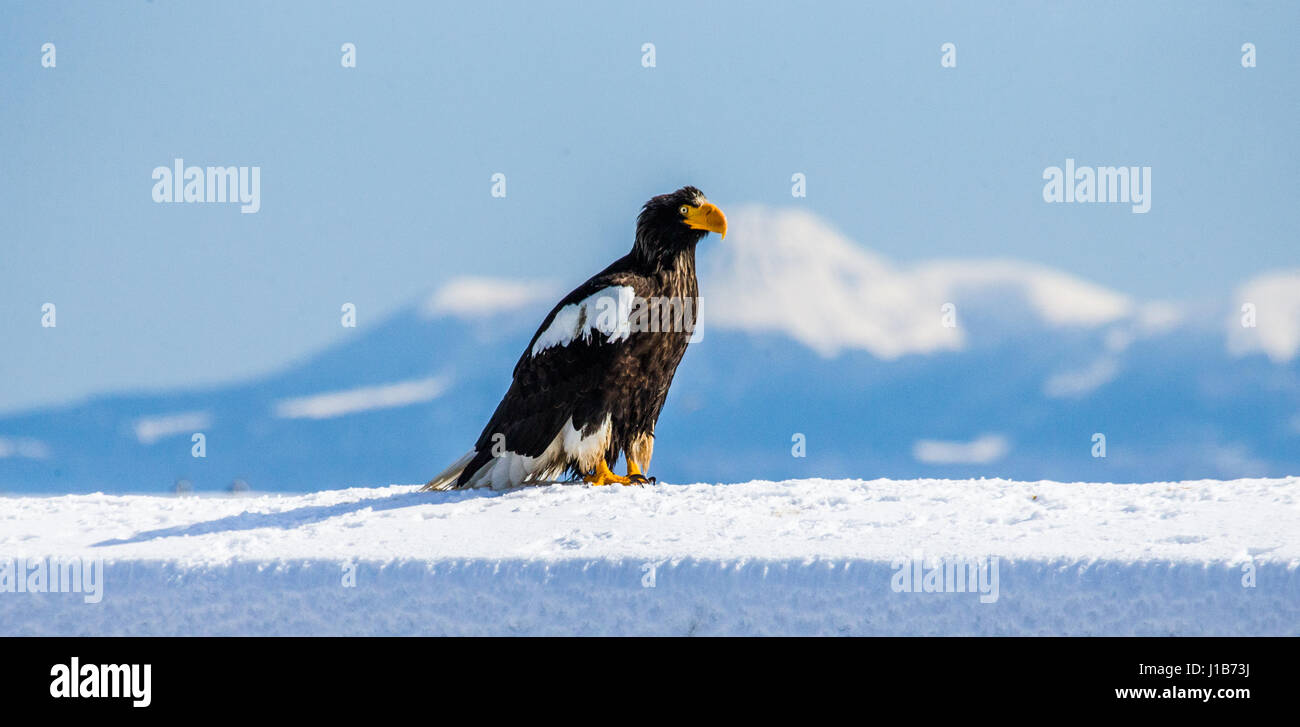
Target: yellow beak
[(707, 217)]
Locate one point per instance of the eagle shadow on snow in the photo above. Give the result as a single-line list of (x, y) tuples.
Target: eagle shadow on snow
[(298, 517)]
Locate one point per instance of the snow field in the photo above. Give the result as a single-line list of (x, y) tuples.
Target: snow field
[(795, 557)]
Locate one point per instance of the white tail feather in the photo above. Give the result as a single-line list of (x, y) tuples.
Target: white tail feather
[(446, 480)]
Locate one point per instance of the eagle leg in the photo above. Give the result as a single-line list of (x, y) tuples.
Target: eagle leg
[(635, 476), (602, 476)]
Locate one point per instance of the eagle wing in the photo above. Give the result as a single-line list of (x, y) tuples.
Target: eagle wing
[(554, 406)]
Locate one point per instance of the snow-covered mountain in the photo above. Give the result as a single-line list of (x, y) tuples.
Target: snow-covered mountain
[(810, 344)]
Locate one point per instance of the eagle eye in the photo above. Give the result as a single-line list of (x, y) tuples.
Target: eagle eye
[(684, 210)]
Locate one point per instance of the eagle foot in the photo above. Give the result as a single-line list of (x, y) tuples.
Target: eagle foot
[(640, 479), (602, 476)]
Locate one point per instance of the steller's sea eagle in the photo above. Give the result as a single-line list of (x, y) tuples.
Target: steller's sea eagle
[(594, 377)]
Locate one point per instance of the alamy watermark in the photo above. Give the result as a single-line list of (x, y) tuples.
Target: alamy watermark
[(615, 314), (179, 183), (54, 575), (75, 680), (1127, 185), (946, 575)]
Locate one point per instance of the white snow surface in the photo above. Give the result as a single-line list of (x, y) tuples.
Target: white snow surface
[(795, 557)]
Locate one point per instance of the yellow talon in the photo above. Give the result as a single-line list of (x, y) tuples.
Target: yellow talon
[(634, 474), (602, 476)]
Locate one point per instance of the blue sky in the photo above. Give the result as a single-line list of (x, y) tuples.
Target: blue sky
[(376, 180)]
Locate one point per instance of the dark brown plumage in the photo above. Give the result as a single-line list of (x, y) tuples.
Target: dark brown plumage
[(592, 381)]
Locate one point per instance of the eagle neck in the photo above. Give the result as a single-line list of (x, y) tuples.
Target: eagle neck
[(655, 260)]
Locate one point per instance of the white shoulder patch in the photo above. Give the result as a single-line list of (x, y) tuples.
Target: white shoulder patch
[(607, 312)]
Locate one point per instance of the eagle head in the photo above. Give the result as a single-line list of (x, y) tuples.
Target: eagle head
[(677, 221)]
